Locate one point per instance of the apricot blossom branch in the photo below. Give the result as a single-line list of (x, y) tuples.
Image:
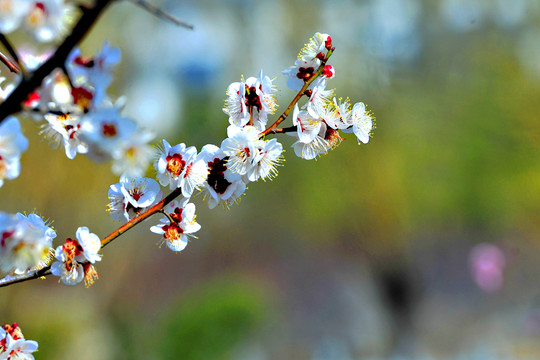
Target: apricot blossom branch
[(158, 208)]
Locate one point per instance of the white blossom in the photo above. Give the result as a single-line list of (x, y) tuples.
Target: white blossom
[(75, 259), (131, 196), (48, 20), (222, 185), (25, 242), (317, 44), (241, 148), (362, 123), (104, 130), (251, 100), (176, 233), (134, 155), (65, 129)]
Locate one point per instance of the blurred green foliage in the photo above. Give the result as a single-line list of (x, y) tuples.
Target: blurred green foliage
[(209, 322)]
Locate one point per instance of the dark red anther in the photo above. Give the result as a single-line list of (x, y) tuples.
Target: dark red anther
[(305, 73), (216, 176), (252, 99), (109, 130), (84, 61)]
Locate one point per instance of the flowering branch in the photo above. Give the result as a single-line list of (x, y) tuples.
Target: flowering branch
[(158, 208), (12, 104), (299, 95), (154, 209), (220, 173)]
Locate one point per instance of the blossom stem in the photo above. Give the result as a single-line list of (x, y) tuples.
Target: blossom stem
[(284, 130), (298, 96), (12, 104), (168, 216), (11, 66), (4, 40)]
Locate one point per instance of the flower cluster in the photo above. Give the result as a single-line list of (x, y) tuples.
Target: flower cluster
[(79, 114), (25, 242), (13, 345), (323, 116), (45, 20)]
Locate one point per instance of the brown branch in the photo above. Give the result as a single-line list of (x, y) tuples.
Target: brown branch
[(11, 66), (298, 96), (131, 223), (107, 240), (154, 10), (13, 102)]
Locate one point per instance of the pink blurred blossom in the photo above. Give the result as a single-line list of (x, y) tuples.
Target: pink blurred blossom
[(487, 262)]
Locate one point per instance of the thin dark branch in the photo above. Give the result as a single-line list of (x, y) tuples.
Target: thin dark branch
[(11, 66), (154, 10), (284, 130), (13, 102), (4, 40)]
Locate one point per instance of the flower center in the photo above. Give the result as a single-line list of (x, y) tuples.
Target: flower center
[(216, 176), (252, 99), (82, 97), (175, 164), (305, 73), (172, 232), (109, 130), (177, 215)]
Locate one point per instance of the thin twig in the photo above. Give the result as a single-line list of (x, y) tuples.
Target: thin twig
[(154, 10), (284, 130), (12, 104), (298, 96), (4, 40), (11, 66)]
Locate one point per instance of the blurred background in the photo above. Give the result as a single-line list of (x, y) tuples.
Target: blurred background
[(423, 244)]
